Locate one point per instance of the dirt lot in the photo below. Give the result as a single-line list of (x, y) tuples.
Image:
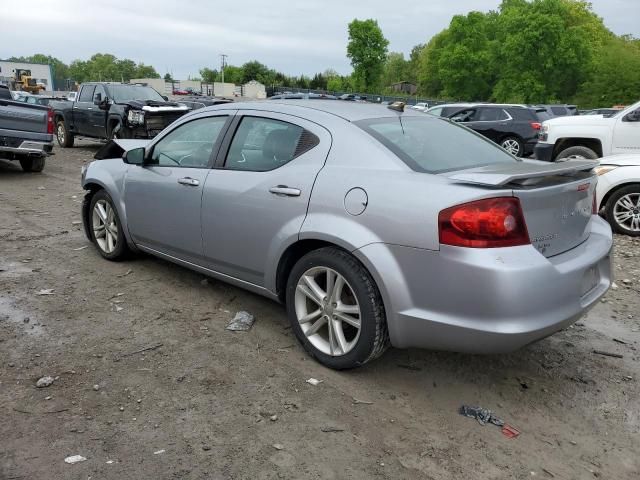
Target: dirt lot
[(212, 404)]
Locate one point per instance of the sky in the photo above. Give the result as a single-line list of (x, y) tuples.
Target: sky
[(294, 37)]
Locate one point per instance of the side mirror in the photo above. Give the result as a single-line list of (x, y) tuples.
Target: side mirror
[(97, 99), (633, 116), (134, 156), (166, 99)]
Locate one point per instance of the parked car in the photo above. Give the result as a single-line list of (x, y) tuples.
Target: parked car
[(114, 110), (181, 91), (195, 102), (352, 97), (365, 249), (420, 106), (606, 112), (26, 132), (446, 109), (303, 96), (590, 136), (559, 110), (618, 192), (514, 127)]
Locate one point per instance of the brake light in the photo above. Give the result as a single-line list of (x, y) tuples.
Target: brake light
[(50, 121), (536, 125), (488, 223)]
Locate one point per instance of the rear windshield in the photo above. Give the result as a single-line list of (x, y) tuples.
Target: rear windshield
[(434, 145)]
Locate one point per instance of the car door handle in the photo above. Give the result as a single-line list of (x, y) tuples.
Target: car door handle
[(285, 191), (192, 182)]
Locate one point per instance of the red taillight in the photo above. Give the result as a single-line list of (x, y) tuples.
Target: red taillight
[(50, 121), (536, 125), (488, 223)]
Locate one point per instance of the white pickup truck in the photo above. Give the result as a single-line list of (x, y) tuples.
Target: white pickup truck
[(590, 136)]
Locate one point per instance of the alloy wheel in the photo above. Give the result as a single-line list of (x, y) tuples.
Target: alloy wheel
[(328, 311), (512, 146), (627, 212), (60, 133), (105, 227)]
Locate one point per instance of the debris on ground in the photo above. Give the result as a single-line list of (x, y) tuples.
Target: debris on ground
[(608, 354), (482, 415), (314, 381), (278, 446), (109, 462), (45, 291), (128, 272), (142, 350), (332, 429), (360, 402), (80, 248), (44, 381), (242, 322), (96, 387), (413, 368), (510, 432), (273, 418), (75, 459), (158, 452)]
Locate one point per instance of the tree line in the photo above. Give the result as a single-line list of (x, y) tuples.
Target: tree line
[(526, 51)]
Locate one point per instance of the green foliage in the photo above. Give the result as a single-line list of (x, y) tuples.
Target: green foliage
[(367, 50), (616, 75), (208, 75), (396, 69), (529, 51)]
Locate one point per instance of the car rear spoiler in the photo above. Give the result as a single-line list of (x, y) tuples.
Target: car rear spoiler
[(522, 172)]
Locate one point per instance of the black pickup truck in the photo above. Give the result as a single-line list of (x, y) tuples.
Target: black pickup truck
[(114, 110)]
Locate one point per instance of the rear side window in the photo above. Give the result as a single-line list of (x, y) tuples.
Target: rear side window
[(523, 114), (86, 95), (263, 144), (491, 115), (559, 110), (434, 145)]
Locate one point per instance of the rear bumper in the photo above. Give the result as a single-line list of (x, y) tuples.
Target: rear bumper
[(487, 300), (28, 148), (544, 151)]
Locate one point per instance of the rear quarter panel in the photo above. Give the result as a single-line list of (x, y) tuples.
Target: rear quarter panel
[(402, 206)]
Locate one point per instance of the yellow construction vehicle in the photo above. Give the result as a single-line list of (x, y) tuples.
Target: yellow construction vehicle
[(23, 81)]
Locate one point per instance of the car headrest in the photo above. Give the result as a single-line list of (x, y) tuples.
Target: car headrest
[(280, 145)]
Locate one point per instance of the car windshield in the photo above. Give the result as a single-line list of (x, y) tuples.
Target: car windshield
[(434, 145), (125, 93)]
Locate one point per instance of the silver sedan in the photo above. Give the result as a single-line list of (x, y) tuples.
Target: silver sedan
[(375, 226)]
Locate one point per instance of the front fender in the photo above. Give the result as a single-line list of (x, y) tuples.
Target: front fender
[(109, 175)]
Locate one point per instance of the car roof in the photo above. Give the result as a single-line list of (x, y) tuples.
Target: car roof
[(350, 111)]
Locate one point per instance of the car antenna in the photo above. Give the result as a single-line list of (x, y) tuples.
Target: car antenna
[(397, 106)]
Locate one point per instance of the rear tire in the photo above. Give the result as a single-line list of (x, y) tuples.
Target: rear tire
[(578, 152), (35, 165), (621, 214), (363, 336), (106, 230), (513, 145), (64, 136)]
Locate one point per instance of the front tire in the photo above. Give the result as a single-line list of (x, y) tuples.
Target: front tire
[(622, 210), (578, 152), (336, 310), (64, 136), (32, 164), (118, 131), (106, 229)]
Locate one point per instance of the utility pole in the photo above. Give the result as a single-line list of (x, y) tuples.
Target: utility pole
[(224, 62)]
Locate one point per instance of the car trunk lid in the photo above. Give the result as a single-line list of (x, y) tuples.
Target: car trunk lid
[(556, 198)]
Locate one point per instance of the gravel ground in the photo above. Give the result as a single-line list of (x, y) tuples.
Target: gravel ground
[(212, 404)]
